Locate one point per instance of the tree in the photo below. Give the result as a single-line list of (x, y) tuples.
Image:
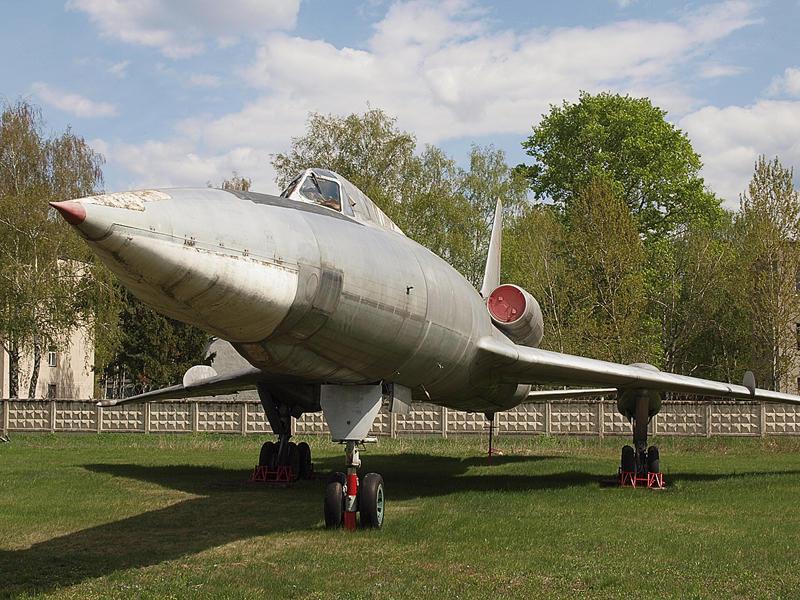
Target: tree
[(46, 272), (694, 286), (236, 182), (649, 162), (608, 303), (438, 204), (369, 150), (154, 351), (536, 257), (587, 272), (768, 231)]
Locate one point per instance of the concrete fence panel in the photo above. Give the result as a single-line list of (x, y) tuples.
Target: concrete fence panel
[(597, 418)]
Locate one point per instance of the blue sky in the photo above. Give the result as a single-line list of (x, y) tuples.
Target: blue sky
[(181, 92)]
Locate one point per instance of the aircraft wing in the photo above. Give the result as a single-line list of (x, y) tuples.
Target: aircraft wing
[(520, 364), (227, 383)]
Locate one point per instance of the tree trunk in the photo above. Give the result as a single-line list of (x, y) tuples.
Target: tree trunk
[(37, 360), (13, 372)]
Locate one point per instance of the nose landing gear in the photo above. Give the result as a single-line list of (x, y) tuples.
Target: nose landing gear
[(350, 412), (345, 496)]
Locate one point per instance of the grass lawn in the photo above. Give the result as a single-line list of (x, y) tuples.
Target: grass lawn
[(146, 516)]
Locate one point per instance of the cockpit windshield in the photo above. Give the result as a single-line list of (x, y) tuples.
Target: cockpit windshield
[(321, 191), (315, 188)]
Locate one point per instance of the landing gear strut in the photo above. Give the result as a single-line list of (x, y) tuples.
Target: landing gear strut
[(284, 453), (641, 466)]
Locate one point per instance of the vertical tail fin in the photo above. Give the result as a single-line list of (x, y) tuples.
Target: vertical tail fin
[(491, 276)]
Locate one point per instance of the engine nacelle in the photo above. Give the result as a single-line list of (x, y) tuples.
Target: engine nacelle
[(517, 314)]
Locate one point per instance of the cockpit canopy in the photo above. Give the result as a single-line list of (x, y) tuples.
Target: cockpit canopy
[(328, 189), (319, 187)]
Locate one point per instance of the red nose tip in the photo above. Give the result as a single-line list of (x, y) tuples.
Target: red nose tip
[(73, 212)]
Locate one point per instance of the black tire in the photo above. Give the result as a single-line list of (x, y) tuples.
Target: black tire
[(340, 477), (334, 501), (628, 459), (305, 460), (653, 464), (267, 450), (291, 458), (372, 501)]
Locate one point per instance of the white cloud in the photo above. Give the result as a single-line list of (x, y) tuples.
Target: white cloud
[(119, 69), (731, 139), (447, 76), (178, 28), (446, 72), (177, 163), (72, 103), (712, 71), (788, 83)]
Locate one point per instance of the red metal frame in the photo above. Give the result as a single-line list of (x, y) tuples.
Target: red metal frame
[(631, 479), (264, 475)]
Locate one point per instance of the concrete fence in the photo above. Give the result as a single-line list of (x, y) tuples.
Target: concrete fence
[(594, 418)]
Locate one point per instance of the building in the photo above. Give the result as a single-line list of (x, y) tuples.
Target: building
[(65, 374)]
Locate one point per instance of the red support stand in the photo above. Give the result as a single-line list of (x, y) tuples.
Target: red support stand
[(631, 479), (264, 475)]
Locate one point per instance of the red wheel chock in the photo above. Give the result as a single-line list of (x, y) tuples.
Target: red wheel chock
[(282, 475), (264, 475), (631, 479)]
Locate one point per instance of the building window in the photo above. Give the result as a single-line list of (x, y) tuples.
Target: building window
[(51, 390), (52, 356)]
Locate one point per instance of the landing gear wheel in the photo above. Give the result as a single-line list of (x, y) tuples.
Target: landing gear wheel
[(653, 464), (628, 459), (291, 458), (267, 450), (304, 453), (334, 501), (372, 501)]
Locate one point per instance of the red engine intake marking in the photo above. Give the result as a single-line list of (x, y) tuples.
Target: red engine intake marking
[(506, 304)]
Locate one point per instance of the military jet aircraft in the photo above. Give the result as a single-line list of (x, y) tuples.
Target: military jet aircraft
[(337, 310)]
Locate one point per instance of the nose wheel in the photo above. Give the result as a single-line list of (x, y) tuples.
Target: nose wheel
[(346, 497)]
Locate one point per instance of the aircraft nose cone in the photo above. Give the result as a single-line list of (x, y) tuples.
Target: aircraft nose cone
[(73, 212)]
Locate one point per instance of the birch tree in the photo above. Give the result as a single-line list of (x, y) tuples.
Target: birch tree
[(46, 272)]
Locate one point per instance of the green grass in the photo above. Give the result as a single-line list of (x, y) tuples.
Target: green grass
[(133, 516)]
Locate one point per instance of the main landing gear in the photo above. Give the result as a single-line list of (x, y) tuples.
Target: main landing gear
[(641, 466), (283, 461)]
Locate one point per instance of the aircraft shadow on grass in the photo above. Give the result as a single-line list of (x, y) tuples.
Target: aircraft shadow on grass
[(228, 508)]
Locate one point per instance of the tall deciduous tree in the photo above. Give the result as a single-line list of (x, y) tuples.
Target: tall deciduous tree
[(768, 232), (609, 306), (650, 163), (46, 273)]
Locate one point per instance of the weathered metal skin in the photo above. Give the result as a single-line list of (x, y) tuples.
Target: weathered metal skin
[(303, 291)]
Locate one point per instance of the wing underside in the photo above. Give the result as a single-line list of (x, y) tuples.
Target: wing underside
[(228, 383)]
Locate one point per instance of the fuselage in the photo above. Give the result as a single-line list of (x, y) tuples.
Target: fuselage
[(304, 292)]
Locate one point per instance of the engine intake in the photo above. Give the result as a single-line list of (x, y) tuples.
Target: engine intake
[(517, 314)]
